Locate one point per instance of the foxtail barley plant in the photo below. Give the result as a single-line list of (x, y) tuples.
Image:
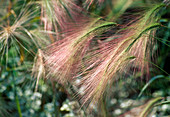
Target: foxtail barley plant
[(95, 42), (130, 48)]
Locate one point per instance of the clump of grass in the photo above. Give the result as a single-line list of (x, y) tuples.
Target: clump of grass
[(65, 56), (55, 14), (130, 48), (15, 33)]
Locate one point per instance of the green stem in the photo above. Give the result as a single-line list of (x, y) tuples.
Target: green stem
[(18, 105), (149, 106), (56, 108), (103, 108), (16, 96)]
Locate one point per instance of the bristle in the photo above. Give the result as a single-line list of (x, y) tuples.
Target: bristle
[(88, 3), (38, 70), (55, 14)]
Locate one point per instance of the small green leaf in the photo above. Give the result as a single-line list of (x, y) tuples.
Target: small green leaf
[(151, 81), (162, 103), (149, 106), (144, 31)]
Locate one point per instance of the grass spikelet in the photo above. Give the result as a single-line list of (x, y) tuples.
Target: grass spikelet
[(38, 69), (15, 32), (55, 14), (130, 48), (65, 55)]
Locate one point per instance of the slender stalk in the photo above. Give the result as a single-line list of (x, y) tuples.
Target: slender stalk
[(104, 108), (150, 105), (18, 105), (56, 109), (16, 96)]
